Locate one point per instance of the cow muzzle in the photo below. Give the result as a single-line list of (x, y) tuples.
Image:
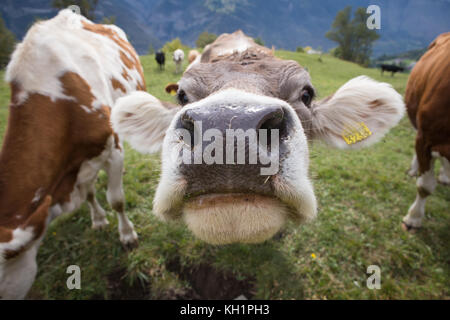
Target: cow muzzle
[(235, 168)]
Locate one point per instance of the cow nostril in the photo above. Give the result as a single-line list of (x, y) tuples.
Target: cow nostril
[(187, 123), (273, 121)]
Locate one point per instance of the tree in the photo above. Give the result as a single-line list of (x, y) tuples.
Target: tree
[(87, 7), (353, 37), (259, 41), (204, 39), (173, 45), (109, 20), (7, 42), (151, 49)]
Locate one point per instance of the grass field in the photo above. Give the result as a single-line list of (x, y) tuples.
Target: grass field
[(363, 196)]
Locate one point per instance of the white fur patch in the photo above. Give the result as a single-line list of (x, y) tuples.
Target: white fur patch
[(360, 100), (142, 120), (59, 45), (19, 238), (250, 221), (416, 212), (444, 172), (17, 274), (178, 56)]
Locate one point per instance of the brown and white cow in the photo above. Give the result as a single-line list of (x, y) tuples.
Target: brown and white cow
[(427, 101), (178, 58), (65, 76), (193, 55), (239, 85)]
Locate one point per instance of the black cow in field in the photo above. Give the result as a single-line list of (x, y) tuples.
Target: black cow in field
[(161, 59), (391, 68)]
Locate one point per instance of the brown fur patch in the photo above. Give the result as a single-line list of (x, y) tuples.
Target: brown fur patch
[(171, 87), (5, 235), (125, 46), (118, 206), (423, 193), (125, 74), (117, 85), (48, 140), (375, 104), (75, 86), (90, 197), (117, 141), (126, 61), (427, 101), (192, 55), (38, 221)]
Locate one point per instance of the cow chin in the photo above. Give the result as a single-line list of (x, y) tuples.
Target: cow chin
[(234, 218)]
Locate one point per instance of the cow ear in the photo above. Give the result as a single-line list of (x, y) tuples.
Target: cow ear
[(172, 88), (358, 114), (142, 120)]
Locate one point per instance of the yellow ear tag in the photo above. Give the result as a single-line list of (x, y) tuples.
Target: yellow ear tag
[(356, 133), (173, 92)]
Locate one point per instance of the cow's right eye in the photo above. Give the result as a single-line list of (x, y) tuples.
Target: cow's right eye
[(182, 97), (307, 96)]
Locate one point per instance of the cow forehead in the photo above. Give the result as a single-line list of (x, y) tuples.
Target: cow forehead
[(262, 74), (227, 44)]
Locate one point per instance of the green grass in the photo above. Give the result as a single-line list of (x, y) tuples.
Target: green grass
[(363, 196)]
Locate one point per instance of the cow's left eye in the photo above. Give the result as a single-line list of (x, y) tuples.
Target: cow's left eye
[(307, 97), (182, 97)]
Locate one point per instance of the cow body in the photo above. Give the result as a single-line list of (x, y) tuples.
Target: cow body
[(65, 76), (391, 68), (239, 91), (192, 55), (427, 101), (160, 58), (178, 58)]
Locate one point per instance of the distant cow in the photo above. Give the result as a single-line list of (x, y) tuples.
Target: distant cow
[(160, 58), (192, 55), (178, 57), (236, 91), (59, 136), (391, 68), (427, 101)]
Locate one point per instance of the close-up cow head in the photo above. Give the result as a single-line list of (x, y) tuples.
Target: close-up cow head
[(239, 85)]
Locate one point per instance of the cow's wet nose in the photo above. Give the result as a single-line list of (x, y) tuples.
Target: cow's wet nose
[(223, 118), (229, 149)]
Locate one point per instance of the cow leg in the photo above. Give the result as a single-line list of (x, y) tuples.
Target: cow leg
[(414, 167), (426, 183), (444, 173), (116, 198), (98, 215)]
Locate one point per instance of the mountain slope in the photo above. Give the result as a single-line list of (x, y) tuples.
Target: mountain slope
[(405, 24)]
